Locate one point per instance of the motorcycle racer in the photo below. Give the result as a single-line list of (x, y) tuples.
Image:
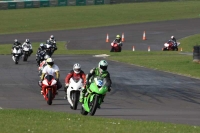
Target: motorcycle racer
[(51, 69), (52, 41), (76, 72), (28, 43), (175, 43), (43, 64), (100, 71), (118, 41), (15, 44)]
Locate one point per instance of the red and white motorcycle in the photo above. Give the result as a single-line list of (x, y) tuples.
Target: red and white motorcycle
[(49, 88), (169, 46), (115, 47)]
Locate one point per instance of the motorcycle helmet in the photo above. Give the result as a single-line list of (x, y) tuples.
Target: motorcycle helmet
[(27, 40), (118, 38), (50, 62), (172, 37), (16, 40), (52, 37), (77, 68), (103, 65), (41, 45)]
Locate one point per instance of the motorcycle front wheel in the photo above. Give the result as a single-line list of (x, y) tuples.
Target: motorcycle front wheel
[(50, 95), (94, 105), (75, 99)]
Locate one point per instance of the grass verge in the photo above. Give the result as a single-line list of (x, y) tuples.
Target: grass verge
[(36, 121), (73, 17)]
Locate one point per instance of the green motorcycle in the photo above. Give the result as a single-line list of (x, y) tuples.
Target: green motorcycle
[(94, 96)]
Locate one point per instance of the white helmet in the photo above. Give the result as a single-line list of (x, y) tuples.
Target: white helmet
[(103, 65), (50, 61), (16, 40), (27, 40), (77, 68), (51, 37), (172, 37)]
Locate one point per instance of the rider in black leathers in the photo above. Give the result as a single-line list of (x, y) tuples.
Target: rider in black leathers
[(175, 43), (16, 43), (41, 52)]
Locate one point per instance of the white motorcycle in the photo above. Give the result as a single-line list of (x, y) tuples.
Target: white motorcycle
[(17, 52), (26, 51), (73, 92)]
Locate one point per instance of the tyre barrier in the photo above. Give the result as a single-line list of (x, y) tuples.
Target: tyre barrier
[(19, 4), (13, 4), (196, 53)]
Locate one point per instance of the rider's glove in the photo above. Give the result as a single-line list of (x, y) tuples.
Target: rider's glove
[(83, 89)]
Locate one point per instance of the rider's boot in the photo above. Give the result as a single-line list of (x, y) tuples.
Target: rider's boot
[(65, 90), (81, 96)]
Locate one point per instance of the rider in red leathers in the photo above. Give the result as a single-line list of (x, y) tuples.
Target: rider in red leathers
[(76, 72)]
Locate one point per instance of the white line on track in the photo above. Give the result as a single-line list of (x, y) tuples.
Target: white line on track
[(1, 108)]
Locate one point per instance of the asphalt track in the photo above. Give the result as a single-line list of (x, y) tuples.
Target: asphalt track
[(138, 93)]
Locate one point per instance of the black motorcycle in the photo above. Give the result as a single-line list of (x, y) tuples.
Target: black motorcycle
[(40, 57)]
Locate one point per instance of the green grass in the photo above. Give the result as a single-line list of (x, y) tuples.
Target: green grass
[(189, 42), (72, 17), (35, 121)]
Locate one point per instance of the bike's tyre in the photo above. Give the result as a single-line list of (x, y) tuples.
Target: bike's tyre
[(94, 106), (176, 49), (16, 60), (50, 95), (75, 100), (25, 58), (83, 112)]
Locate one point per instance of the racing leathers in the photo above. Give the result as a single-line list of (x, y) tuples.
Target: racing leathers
[(40, 55), (16, 44), (174, 42), (71, 74), (29, 46), (52, 42), (90, 77)]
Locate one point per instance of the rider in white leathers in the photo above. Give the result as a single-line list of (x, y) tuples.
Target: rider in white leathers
[(28, 43)]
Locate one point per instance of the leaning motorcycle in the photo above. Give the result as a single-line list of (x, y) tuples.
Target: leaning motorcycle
[(73, 92), (17, 52), (115, 47), (169, 46), (49, 88), (26, 52), (40, 57), (94, 96)]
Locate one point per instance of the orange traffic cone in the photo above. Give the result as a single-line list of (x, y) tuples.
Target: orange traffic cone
[(123, 37), (149, 49), (144, 36), (181, 49), (133, 48), (107, 38)]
